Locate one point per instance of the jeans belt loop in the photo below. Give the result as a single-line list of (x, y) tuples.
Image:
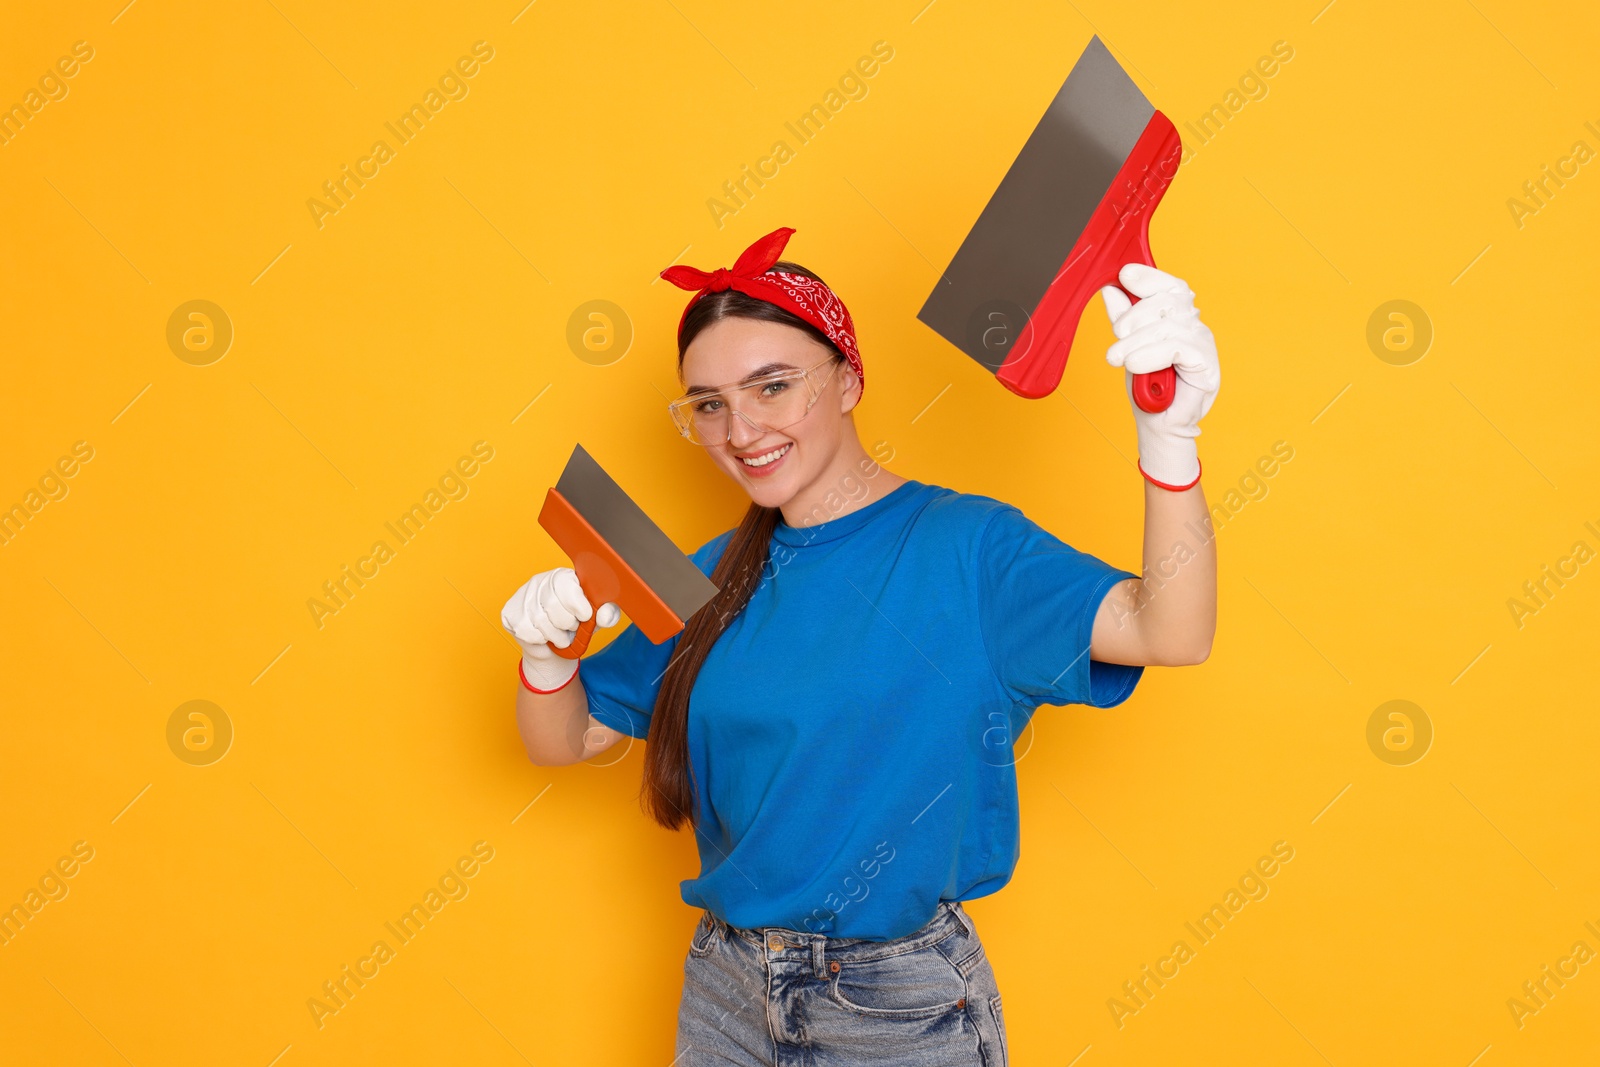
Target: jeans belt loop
[(818, 941), (955, 910)]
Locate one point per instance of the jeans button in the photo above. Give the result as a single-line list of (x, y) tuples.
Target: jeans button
[(775, 944)]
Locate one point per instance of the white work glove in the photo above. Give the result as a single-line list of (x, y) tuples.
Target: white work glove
[(545, 611), (1164, 330)]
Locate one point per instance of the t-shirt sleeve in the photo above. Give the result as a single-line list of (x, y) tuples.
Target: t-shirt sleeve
[(623, 679), (1038, 597)]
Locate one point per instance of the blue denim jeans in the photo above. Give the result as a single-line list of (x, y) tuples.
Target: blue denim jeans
[(786, 998)]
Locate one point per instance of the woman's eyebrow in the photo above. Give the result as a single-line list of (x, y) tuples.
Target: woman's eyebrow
[(765, 368)]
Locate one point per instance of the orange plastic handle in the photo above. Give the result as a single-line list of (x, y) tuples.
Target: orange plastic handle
[(604, 576), (580, 640)]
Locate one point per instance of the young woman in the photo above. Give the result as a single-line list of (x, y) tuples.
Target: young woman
[(836, 724)]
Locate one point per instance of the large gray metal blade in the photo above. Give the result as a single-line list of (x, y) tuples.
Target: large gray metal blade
[(1044, 202), (631, 533)]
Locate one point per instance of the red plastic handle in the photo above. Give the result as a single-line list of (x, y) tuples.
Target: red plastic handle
[(1153, 392), (1117, 233)]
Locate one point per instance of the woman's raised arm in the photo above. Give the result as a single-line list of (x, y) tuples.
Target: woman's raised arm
[(1169, 616)]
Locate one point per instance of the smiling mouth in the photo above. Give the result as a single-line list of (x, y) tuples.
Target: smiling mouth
[(767, 457)]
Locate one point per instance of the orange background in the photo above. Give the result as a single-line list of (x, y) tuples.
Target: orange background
[(430, 313)]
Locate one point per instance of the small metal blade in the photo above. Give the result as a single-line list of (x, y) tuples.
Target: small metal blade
[(1034, 218), (631, 533)]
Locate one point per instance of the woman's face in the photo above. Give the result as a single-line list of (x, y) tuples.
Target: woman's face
[(733, 349)]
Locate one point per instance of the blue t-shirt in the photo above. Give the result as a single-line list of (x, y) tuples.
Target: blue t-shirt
[(851, 731)]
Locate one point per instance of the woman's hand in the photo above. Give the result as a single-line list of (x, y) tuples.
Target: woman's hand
[(546, 611), (1164, 330)]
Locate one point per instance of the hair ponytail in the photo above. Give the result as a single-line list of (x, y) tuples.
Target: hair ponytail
[(669, 791), (669, 786)]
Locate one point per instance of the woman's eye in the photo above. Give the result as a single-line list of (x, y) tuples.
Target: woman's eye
[(774, 388), (705, 407)]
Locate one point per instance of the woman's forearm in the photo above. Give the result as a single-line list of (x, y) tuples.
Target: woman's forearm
[(1168, 617), (1175, 611), (557, 728)]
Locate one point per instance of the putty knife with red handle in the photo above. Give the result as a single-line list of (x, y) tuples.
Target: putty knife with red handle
[(620, 556), (1073, 208)]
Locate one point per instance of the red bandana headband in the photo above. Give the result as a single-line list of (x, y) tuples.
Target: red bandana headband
[(752, 275)]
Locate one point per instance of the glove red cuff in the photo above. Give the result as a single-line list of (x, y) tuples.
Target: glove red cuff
[(1173, 488), (533, 689)]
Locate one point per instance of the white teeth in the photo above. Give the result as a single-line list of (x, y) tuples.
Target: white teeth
[(762, 461)]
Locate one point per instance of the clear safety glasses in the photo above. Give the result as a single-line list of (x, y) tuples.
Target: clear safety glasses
[(771, 402)]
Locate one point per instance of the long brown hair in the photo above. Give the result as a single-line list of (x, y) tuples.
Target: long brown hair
[(669, 789)]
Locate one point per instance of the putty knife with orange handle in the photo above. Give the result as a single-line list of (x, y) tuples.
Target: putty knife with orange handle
[(620, 556), (1073, 208)]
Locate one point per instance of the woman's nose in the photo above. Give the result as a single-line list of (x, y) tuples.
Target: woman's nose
[(740, 431)]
